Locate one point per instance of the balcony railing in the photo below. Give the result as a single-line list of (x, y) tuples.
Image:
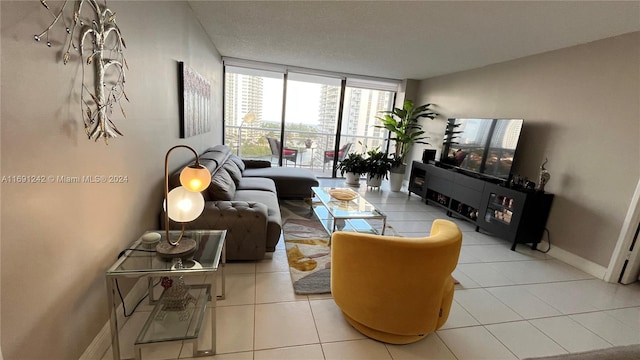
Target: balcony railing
[(251, 143)]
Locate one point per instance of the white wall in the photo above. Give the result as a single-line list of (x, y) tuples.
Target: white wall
[(581, 109), (58, 239)]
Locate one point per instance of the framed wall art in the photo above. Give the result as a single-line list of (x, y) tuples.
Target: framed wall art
[(195, 102)]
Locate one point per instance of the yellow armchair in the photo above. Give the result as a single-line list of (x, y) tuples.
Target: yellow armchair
[(394, 289)]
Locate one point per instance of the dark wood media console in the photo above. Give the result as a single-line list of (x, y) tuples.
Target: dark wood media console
[(510, 214)]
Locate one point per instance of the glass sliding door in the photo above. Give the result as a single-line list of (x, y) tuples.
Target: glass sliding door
[(252, 112), (311, 118), (362, 106)]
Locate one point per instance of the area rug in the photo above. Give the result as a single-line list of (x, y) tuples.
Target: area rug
[(308, 251)]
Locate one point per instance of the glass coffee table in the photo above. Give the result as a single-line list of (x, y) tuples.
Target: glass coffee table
[(141, 261), (346, 215)]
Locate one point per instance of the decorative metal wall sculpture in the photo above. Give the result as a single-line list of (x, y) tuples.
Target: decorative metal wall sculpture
[(95, 32)]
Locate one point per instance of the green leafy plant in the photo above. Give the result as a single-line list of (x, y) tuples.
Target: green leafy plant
[(352, 163), (404, 127), (377, 163)]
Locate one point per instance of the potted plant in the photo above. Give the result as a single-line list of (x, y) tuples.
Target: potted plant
[(377, 165), (354, 166), (405, 131)]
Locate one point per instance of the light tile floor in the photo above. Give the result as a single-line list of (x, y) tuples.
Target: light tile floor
[(509, 305)]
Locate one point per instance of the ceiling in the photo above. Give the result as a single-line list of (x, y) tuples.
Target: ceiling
[(406, 40)]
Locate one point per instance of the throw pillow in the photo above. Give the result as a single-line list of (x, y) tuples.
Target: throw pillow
[(222, 186), (238, 161), (233, 170), (256, 164)]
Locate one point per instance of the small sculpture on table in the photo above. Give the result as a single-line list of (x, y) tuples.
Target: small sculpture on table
[(176, 296), (544, 176)]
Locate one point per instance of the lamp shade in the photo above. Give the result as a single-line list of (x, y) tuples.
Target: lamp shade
[(184, 205), (195, 178)]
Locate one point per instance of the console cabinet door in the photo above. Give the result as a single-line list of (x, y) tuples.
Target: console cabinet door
[(534, 217), (519, 217), (501, 211), (418, 179), (468, 190), (440, 180)]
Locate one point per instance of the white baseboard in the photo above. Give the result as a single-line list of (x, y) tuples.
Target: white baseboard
[(101, 343), (574, 260)]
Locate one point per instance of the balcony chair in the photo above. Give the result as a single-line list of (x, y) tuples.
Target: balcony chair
[(342, 152), (393, 289), (287, 154)]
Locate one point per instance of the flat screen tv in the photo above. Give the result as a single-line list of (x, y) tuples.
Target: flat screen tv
[(482, 146)]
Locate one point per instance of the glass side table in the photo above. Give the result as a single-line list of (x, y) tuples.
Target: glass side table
[(208, 259)]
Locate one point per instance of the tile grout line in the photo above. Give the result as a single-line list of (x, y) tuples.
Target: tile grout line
[(445, 344), (255, 311), (315, 325)]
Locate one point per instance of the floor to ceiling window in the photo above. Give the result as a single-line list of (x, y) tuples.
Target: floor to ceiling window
[(252, 110), (325, 115), (311, 116), (363, 104)]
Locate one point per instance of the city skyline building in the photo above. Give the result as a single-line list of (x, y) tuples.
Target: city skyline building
[(243, 95)]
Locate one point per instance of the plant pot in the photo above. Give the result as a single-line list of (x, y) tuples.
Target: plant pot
[(352, 179), (374, 181), (400, 169), (396, 176), (395, 181)]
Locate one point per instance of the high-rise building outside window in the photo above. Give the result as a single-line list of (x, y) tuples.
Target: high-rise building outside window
[(307, 131)]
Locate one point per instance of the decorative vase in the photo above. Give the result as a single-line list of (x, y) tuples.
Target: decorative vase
[(352, 179), (374, 181)]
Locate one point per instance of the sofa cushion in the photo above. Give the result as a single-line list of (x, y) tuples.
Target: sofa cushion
[(219, 148), (274, 220), (216, 156), (222, 186), (233, 170), (290, 182), (265, 197), (238, 161), (264, 184)]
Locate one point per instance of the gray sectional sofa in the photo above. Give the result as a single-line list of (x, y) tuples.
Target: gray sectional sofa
[(243, 199)]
